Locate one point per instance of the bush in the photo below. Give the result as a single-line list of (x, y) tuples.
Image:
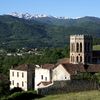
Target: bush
[(15, 89), (23, 96)]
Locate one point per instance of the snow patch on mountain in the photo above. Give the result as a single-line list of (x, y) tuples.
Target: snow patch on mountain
[(31, 16)]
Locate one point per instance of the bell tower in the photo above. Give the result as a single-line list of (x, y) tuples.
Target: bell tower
[(80, 49)]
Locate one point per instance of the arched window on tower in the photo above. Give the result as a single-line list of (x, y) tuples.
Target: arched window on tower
[(80, 58), (80, 47), (77, 47), (77, 59)]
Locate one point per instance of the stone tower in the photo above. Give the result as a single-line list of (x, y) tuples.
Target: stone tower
[(80, 49)]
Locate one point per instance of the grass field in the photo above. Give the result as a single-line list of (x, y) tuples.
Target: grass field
[(96, 47), (88, 95)]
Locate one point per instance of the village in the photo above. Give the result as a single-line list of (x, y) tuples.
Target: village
[(45, 77)]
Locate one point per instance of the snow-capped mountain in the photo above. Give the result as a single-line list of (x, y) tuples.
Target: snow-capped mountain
[(30, 16), (27, 15)]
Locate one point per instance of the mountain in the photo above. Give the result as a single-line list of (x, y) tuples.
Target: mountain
[(48, 31)]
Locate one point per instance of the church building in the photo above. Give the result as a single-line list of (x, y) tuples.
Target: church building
[(80, 49)]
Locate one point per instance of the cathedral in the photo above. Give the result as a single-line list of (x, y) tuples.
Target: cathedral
[(81, 51)]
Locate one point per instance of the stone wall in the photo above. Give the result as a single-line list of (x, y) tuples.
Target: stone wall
[(69, 86)]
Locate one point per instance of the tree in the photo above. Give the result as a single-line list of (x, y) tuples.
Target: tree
[(4, 85)]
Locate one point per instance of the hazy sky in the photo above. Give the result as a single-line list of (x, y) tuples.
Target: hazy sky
[(69, 8)]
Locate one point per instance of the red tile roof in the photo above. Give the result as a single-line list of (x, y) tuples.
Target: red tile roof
[(24, 67), (74, 68), (48, 66), (63, 60), (94, 68)]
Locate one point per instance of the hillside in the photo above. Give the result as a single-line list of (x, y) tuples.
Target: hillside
[(44, 31)]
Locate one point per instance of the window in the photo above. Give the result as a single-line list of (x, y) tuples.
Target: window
[(77, 47), (22, 74), (77, 59), (12, 82), (80, 58), (80, 47), (42, 77), (45, 78), (17, 74), (22, 83), (12, 73), (17, 84)]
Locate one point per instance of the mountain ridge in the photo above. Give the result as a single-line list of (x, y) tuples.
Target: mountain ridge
[(44, 32)]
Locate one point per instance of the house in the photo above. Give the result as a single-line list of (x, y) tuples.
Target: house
[(60, 73), (68, 71), (43, 75), (22, 76), (28, 76)]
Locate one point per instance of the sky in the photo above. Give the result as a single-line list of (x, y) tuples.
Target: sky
[(68, 8)]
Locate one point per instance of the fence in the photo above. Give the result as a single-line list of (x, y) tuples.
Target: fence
[(69, 86)]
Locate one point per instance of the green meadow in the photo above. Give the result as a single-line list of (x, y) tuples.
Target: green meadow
[(96, 47), (86, 95)]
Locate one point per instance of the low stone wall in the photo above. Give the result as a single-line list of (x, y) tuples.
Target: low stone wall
[(69, 86)]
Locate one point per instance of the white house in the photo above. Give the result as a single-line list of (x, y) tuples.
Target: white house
[(60, 73), (30, 76), (22, 76), (43, 75)]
